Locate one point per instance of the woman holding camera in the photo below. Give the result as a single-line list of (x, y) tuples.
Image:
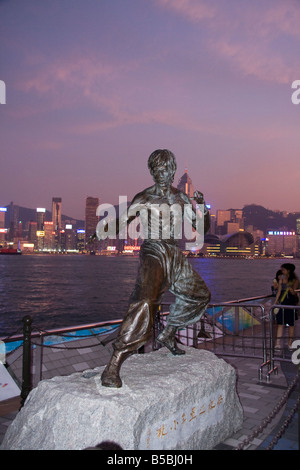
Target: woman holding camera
[(286, 295)]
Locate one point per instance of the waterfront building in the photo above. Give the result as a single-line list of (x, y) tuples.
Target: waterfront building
[(13, 220), (223, 216), (240, 243), (69, 238), (40, 233), (40, 217), (2, 236), (56, 219), (185, 184), (229, 221), (26, 247), (280, 242), (49, 236), (298, 236), (213, 223), (91, 220), (3, 230), (80, 240), (3, 211), (32, 229), (56, 212)]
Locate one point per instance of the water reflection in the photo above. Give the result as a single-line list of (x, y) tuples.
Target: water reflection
[(61, 291)]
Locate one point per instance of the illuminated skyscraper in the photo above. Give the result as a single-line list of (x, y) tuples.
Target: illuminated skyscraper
[(56, 213), (40, 217), (32, 229), (49, 236), (282, 243), (80, 240), (13, 220), (185, 184), (3, 211), (91, 219), (40, 233), (298, 235)]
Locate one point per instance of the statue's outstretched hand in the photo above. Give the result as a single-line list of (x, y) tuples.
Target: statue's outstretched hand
[(198, 197), (92, 238)]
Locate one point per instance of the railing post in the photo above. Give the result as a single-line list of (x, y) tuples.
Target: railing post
[(26, 372), (37, 361), (195, 335)]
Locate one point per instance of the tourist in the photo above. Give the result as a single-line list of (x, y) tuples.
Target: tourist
[(275, 285), (286, 295)]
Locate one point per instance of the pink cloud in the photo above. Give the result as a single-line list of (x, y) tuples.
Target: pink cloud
[(244, 35), (74, 72), (256, 60), (194, 10)]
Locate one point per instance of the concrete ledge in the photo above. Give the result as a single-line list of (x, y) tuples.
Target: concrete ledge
[(166, 402)]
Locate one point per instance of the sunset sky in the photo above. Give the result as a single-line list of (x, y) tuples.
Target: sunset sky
[(94, 86)]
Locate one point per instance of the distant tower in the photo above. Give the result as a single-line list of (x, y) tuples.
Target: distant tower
[(40, 233), (91, 219), (185, 184), (56, 213), (40, 217), (3, 211), (13, 220), (298, 234)]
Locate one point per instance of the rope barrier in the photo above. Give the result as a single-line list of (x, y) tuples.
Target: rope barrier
[(271, 416), (52, 346), (284, 426), (16, 333)]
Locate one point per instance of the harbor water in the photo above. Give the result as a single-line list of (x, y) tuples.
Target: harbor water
[(69, 290)]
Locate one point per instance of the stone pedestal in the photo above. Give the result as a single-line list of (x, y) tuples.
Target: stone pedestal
[(166, 402)]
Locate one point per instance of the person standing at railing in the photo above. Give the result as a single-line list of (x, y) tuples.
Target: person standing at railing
[(275, 284), (286, 295)]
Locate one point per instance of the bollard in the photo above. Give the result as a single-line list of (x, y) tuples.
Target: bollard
[(26, 372)]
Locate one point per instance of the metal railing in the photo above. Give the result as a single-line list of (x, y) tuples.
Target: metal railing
[(280, 355), (228, 329), (30, 344), (242, 328)]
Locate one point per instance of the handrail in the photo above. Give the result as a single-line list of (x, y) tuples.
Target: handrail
[(18, 337), (56, 331), (247, 302)]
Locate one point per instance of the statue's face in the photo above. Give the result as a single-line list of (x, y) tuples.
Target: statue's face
[(163, 176)]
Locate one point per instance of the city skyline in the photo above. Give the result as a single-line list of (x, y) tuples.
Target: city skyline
[(120, 204), (188, 189), (231, 232), (92, 90), (213, 211)]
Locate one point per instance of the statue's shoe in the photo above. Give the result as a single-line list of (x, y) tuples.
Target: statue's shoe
[(170, 343), (111, 379)]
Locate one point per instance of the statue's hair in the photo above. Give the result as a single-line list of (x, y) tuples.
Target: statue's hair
[(161, 157)]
